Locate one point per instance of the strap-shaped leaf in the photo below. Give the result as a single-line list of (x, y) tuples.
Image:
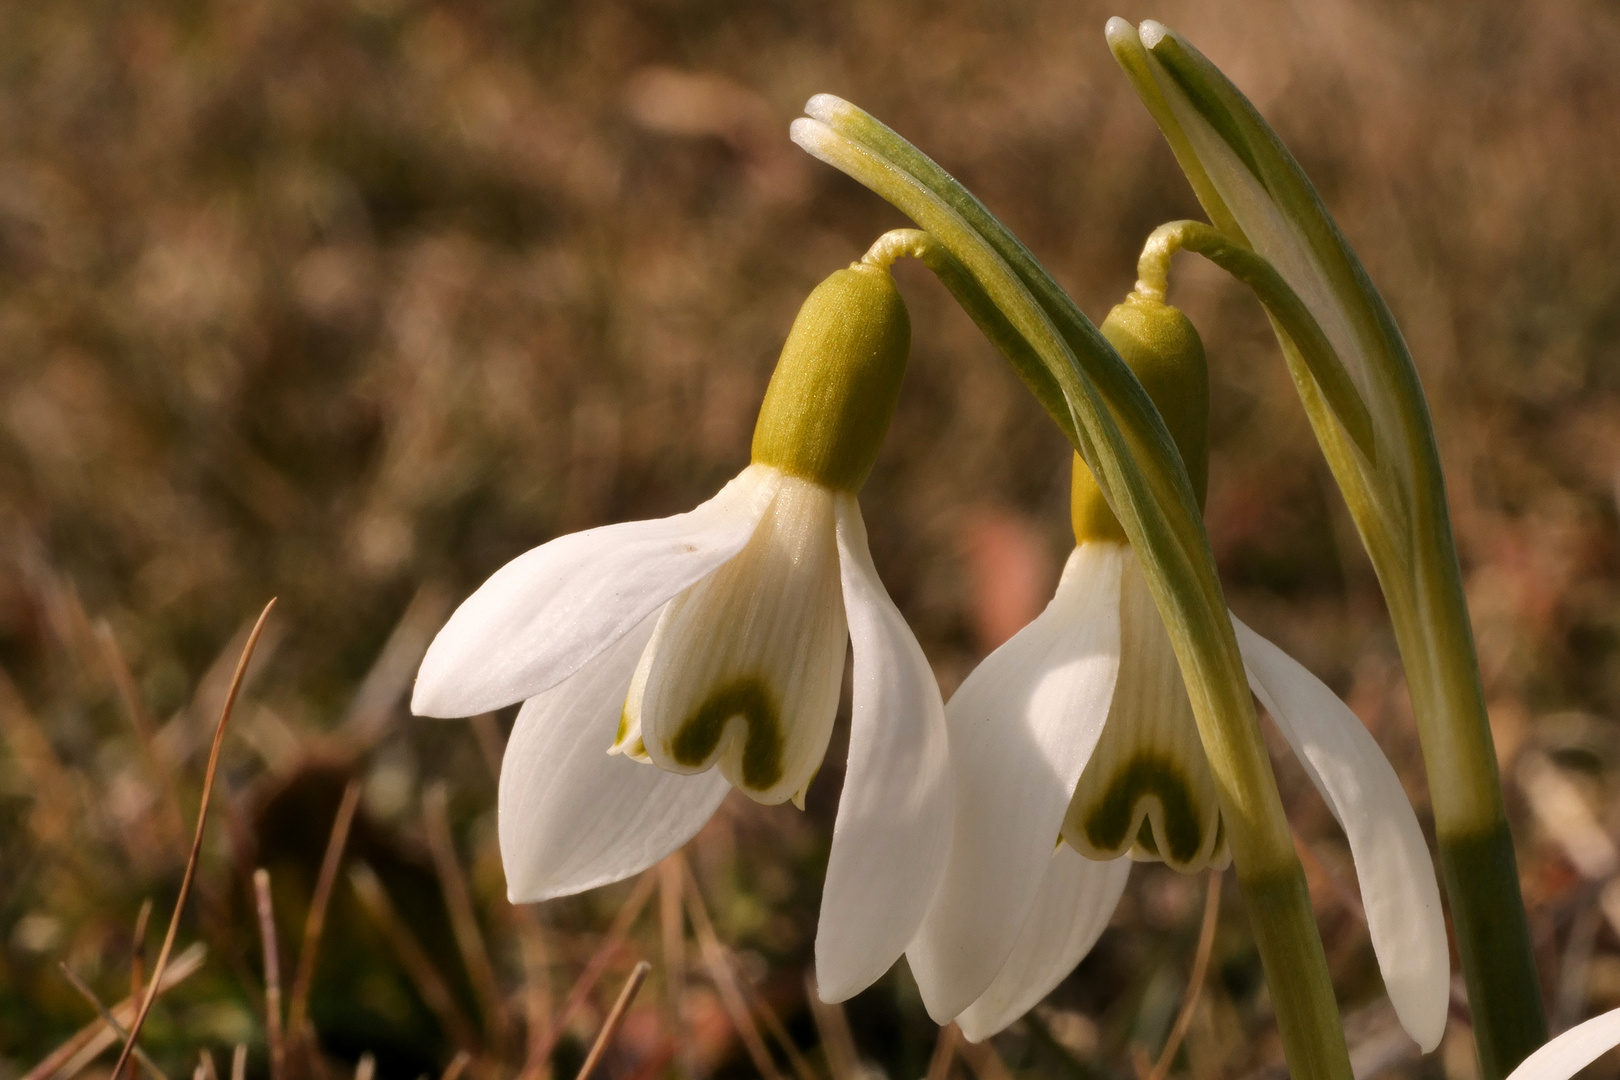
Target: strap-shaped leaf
[(1256, 193)]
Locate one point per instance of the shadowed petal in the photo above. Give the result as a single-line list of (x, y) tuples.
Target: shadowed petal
[(1022, 727), (1076, 899), (1393, 866), (894, 816), (545, 613), (745, 667), (572, 816)]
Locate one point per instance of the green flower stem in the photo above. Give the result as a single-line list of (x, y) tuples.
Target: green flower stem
[(1113, 425), (983, 311), (1397, 501), (1287, 310)]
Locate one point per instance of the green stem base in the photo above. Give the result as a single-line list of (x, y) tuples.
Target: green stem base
[(1504, 990), (1297, 975)]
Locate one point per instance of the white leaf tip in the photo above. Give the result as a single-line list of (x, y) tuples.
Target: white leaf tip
[(1153, 32), (812, 136), (825, 106), (1119, 30)]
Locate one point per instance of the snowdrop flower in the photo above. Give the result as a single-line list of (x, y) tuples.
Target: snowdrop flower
[(1075, 752), (662, 663)]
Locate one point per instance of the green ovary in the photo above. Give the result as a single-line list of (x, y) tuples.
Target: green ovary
[(835, 386), (1163, 350), (747, 697)]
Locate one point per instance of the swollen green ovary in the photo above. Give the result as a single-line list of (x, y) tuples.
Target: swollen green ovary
[(748, 663), (1163, 350), (1147, 790), (836, 383)]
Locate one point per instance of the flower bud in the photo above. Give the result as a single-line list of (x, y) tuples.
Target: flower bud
[(1163, 350), (835, 386)]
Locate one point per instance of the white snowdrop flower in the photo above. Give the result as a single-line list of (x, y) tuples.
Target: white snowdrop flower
[(1076, 751), (661, 663)]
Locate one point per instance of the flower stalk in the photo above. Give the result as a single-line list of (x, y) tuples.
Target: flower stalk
[(1111, 422), (1260, 201)]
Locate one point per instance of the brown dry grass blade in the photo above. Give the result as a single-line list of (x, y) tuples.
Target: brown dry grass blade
[(615, 1017), (239, 1062), (1195, 979), (412, 957), (196, 840), (672, 933), (315, 921), (137, 949), (376, 703), (773, 1024), (725, 982), (56, 803), (983, 1060), (463, 920), (457, 1066), (939, 1065), (837, 1041), (598, 962), (272, 973), (108, 1018), (96, 1036), (140, 721), (536, 991)]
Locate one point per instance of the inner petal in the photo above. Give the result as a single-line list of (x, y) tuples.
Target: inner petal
[(1147, 790), (745, 667)]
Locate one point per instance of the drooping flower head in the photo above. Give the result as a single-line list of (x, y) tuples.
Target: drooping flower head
[(1076, 751), (662, 663)]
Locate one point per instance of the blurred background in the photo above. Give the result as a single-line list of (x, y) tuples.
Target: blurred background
[(350, 301)]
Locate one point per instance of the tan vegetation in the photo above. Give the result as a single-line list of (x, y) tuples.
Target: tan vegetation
[(348, 302)]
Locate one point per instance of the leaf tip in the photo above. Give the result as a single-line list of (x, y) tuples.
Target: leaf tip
[(810, 135), (827, 107), (1153, 32)]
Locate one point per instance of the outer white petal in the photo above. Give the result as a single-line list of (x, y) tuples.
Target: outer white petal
[(1076, 900), (1572, 1051), (1022, 728), (894, 817), (1393, 865), (548, 611), (745, 667), (571, 816)]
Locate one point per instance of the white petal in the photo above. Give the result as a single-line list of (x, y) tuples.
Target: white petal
[(1572, 1051), (1393, 866), (548, 611), (745, 667), (1077, 898), (572, 816), (894, 816), (1022, 726)]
